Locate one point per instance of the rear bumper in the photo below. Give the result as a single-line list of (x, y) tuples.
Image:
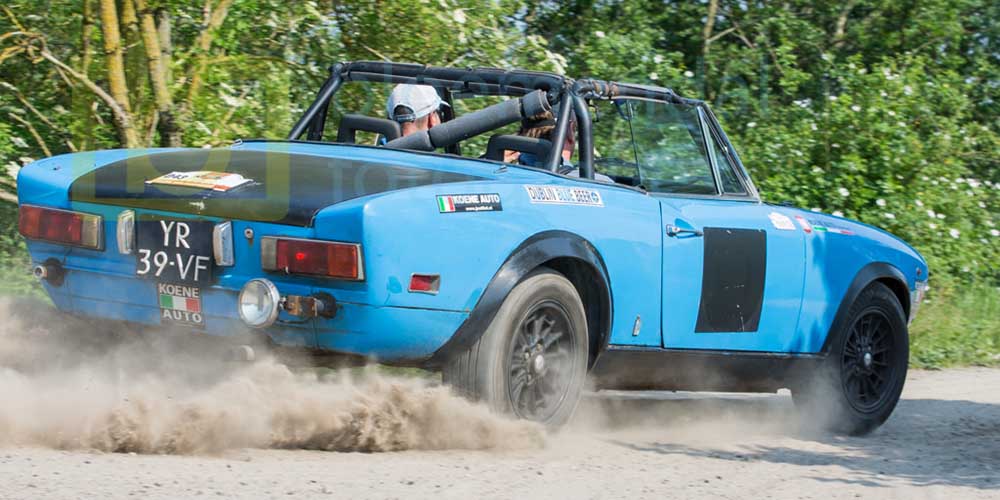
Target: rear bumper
[(391, 334)]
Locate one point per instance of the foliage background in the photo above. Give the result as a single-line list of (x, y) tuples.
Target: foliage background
[(880, 110)]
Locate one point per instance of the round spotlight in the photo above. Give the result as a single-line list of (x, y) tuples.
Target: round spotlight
[(259, 302)]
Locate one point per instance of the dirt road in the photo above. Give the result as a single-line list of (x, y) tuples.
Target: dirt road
[(252, 433), (942, 442)]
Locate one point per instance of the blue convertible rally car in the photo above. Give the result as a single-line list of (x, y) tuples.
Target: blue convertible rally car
[(540, 233)]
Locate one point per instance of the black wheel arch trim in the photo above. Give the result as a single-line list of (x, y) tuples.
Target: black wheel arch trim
[(528, 256), (872, 272)]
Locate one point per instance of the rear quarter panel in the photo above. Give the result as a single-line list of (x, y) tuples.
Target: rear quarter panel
[(403, 232)]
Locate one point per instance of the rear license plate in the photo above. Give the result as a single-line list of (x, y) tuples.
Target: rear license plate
[(180, 304), (174, 251)]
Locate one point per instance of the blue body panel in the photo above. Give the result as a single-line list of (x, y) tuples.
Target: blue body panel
[(683, 269), (402, 231)]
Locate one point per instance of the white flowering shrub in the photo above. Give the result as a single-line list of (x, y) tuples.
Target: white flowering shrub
[(895, 149)]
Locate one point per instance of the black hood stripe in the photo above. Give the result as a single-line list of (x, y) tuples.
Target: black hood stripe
[(288, 188)]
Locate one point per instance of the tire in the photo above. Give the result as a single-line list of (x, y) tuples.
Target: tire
[(532, 360), (860, 381)]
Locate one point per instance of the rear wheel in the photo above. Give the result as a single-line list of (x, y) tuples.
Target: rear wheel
[(863, 375), (531, 362)]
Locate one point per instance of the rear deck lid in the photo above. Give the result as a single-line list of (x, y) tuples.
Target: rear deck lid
[(283, 187)]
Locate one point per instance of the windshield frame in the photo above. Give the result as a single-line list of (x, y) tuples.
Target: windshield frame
[(610, 91)]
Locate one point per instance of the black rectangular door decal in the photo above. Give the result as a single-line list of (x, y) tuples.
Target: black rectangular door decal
[(732, 287)]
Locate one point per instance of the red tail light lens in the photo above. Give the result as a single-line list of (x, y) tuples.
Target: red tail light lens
[(425, 283), (312, 257), (61, 226)]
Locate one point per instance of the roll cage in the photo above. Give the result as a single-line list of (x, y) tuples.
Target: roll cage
[(530, 87)]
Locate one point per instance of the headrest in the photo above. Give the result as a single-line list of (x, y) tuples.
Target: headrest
[(351, 124), (500, 143)]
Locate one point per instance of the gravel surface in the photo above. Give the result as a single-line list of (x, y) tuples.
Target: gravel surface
[(943, 441)]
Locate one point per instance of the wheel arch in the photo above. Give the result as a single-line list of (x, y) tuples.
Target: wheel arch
[(567, 253), (875, 272)]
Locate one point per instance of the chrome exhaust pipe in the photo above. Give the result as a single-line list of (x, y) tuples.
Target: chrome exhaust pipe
[(40, 272), (51, 271)]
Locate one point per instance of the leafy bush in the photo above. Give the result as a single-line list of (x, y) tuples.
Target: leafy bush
[(888, 146), (15, 264)]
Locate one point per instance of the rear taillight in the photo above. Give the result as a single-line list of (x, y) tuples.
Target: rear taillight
[(61, 226), (312, 257)]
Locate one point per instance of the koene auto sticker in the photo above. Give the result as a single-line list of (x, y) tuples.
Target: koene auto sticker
[(180, 304), (560, 195), (479, 202)]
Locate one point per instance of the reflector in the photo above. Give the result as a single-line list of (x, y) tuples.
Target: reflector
[(426, 283)]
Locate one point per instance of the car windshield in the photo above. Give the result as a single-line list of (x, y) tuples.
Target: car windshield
[(659, 146)]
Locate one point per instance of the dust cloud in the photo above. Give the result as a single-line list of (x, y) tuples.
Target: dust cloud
[(68, 383)]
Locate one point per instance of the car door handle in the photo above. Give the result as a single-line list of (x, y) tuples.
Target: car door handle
[(674, 231)]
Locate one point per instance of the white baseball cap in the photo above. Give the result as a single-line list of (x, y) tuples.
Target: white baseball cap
[(420, 99)]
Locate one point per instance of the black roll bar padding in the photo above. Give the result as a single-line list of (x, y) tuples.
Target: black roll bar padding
[(535, 106), (329, 87), (418, 141), (481, 80), (559, 135), (586, 141), (491, 117), (470, 125), (595, 89), (447, 115)]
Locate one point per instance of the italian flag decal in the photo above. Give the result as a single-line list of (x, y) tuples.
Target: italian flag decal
[(446, 204), (471, 202), (176, 303)]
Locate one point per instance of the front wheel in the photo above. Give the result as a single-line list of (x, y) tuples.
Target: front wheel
[(862, 378), (532, 360)]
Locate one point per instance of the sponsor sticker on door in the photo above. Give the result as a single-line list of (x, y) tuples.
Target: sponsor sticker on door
[(561, 195), (475, 202), (820, 228), (180, 304), (781, 221), (804, 223)]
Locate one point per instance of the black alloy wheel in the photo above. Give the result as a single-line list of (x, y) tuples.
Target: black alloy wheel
[(531, 362), (866, 370), (856, 387), (540, 362)]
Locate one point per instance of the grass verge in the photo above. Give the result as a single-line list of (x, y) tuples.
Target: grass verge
[(959, 324)]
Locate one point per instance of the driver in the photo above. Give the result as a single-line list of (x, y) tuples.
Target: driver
[(543, 129), (415, 107)]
